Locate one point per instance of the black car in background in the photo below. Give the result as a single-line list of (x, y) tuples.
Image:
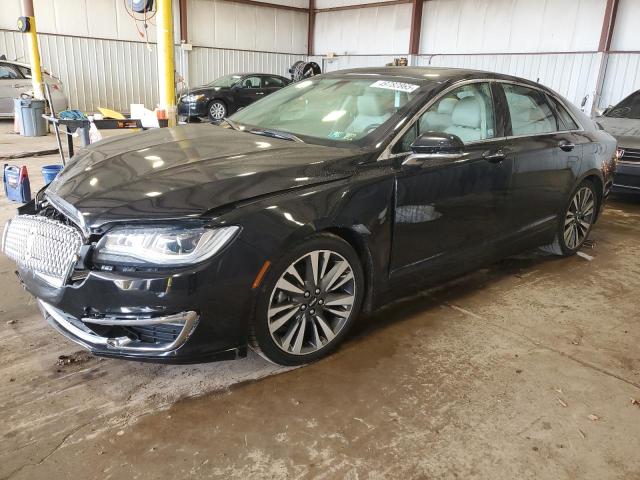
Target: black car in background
[(227, 94), (623, 122), (328, 198)]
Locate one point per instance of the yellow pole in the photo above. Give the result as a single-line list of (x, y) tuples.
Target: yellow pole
[(34, 53), (166, 67)]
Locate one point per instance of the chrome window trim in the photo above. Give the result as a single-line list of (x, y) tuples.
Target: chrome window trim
[(386, 153)]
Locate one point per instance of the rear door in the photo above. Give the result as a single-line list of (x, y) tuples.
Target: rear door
[(250, 90), (447, 209), (547, 156), (272, 84), (12, 84)]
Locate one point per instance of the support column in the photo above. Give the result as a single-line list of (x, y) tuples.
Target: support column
[(416, 26), (311, 29), (606, 34), (34, 52), (166, 66)]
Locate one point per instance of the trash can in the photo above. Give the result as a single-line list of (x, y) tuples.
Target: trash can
[(49, 172), (29, 112)]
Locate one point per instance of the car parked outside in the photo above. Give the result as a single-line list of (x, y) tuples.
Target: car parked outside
[(228, 94), (330, 197), (15, 79), (623, 122)]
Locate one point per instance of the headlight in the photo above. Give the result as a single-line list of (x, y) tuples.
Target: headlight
[(192, 98), (161, 246)]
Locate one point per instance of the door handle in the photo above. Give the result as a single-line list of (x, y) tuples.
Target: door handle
[(566, 146), (495, 157), (259, 93)]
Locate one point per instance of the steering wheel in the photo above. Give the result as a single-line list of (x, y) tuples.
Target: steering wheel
[(371, 128)]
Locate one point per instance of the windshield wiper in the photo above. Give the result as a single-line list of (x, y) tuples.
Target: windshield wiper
[(231, 123), (276, 134)]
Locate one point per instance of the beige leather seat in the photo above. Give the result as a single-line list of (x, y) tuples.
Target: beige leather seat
[(440, 119), (468, 120)]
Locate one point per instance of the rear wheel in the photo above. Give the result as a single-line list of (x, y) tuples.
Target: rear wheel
[(576, 221), (308, 301)]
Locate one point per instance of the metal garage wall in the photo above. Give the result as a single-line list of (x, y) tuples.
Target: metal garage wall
[(622, 77), (95, 72), (206, 64), (379, 30), (572, 75)]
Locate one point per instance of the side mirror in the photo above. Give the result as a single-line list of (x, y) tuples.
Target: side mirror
[(435, 146)]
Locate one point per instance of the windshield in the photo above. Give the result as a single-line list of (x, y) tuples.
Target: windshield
[(226, 81), (336, 110), (627, 108)]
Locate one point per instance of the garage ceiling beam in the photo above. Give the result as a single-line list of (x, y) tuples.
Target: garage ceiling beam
[(416, 26), (255, 3), (362, 5), (608, 25)]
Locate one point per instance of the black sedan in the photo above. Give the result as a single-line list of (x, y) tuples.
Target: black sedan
[(329, 198), (227, 94), (623, 122)]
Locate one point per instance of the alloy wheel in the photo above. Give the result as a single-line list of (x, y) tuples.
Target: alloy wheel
[(217, 111), (579, 218), (311, 302)]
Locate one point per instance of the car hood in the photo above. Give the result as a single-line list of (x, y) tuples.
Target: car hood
[(187, 171), (204, 89), (626, 130)]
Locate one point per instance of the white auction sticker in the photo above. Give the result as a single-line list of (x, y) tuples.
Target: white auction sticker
[(397, 86)]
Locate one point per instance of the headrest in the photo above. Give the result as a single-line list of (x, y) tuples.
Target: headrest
[(371, 105), (447, 105), (467, 113)]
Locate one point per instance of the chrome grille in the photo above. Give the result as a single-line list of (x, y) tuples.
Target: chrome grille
[(46, 247), (630, 154)]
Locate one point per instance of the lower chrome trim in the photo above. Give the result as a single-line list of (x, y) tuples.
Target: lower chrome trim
[(89, 339)]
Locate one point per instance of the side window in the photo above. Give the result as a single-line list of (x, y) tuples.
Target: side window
[(273, 82), (566, 120), (529, 110), (466, 112), (251, 82), (7, 72)]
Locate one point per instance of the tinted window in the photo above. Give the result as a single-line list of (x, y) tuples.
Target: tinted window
[(226, 81), (7, 72), (273, 82), (529, 110), (566, 120), (252, 82), (627, 108), (466, 112)]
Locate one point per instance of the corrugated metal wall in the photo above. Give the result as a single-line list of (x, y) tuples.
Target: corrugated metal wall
[(206, 64), (105, 73), (572, 74), (622, 77), (114, 73)]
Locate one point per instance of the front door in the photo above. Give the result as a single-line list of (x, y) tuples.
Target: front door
[(444, 208)]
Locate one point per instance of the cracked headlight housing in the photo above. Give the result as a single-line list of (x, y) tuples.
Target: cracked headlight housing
[(161, 246)]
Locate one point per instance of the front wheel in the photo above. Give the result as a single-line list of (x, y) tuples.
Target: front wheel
[(577, 219), (217, 111), (308, 301)]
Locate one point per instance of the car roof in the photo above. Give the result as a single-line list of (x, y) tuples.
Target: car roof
[(426, 75), (20, 64)]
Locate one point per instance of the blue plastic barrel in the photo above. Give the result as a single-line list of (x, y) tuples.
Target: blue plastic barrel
[(49, 172)]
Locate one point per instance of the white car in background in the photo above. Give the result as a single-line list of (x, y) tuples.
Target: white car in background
[(15, 79)]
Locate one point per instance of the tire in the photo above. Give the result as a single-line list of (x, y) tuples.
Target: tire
[(576, 220), (216, 110), (300, 316)]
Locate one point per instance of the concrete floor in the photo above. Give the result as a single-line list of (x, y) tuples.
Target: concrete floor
[(526, 369)]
